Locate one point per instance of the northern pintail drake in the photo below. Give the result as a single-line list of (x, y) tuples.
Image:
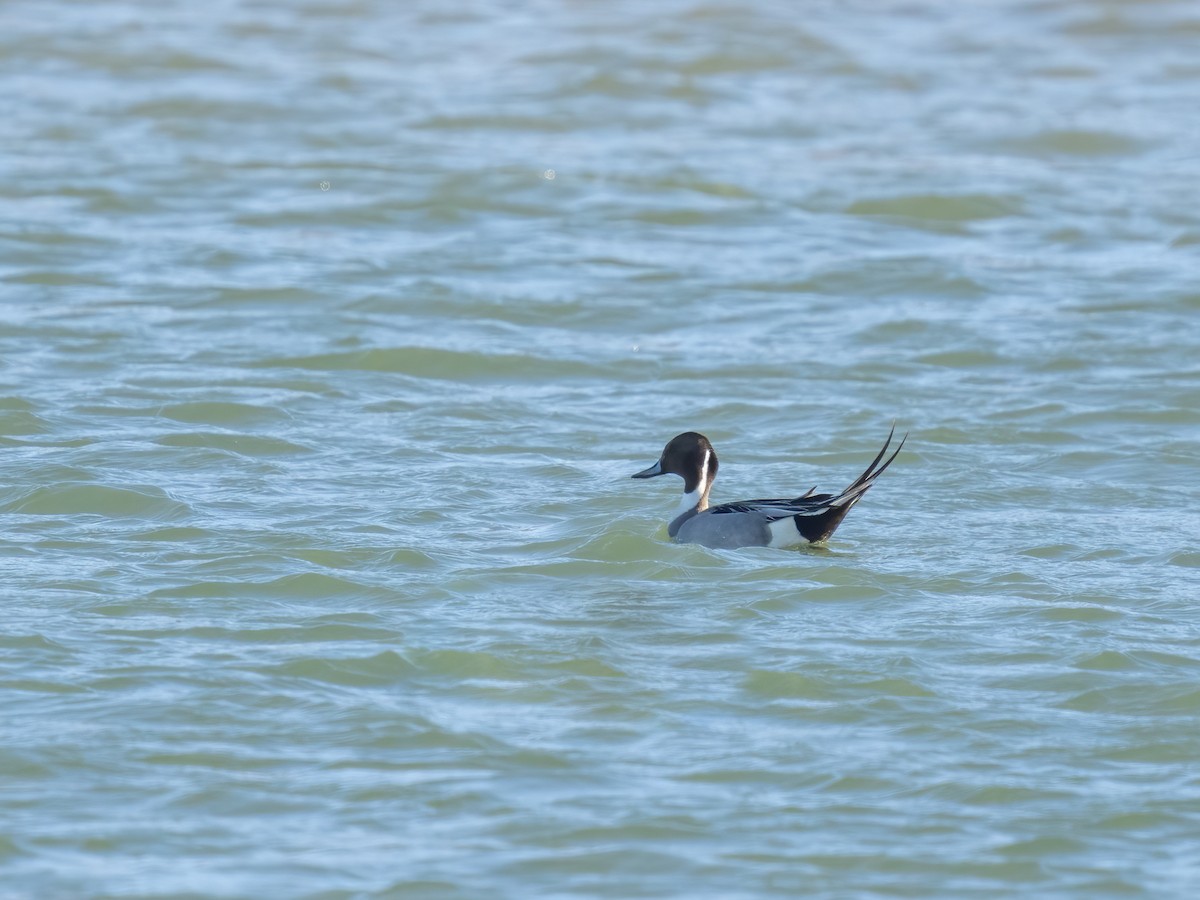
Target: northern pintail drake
[(808, 519)]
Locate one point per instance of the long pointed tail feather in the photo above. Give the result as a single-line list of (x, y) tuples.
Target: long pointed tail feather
[(817, 528), (864, 481)]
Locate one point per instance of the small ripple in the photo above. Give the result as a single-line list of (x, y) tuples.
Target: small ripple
[(17, 417), (963, 359), (1152, 752), (242, 444), (460, 664), (448, 365), (41, 686), (1108, 661), (586, 667), (626, 545), (221, 413), (387, 667), (307, 633), (139, 502), (1075, 142), (302, 586), (175, 534), (939, 209), (1089, 614), (1139, 700), (787, 684), (844, 593), (27, 642)]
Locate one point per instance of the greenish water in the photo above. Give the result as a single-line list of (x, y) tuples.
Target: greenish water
[(331, 332)]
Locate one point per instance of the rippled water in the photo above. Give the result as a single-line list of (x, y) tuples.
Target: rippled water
[(331, 333)]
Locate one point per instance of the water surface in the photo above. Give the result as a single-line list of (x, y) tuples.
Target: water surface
[(331, 332)]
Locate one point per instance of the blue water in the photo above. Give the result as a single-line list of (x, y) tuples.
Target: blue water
[(330, 334)]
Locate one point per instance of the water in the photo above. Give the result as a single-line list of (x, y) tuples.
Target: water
[(331, 333)]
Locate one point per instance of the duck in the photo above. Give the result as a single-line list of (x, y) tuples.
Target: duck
[(810, 518)]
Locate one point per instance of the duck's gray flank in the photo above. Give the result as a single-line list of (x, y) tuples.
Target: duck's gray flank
[(808, 519)]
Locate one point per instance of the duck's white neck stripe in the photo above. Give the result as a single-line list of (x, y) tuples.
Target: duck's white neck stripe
[(691, 499)]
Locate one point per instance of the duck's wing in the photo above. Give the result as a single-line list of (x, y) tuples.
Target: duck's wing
[(818, 515), (777, 508)]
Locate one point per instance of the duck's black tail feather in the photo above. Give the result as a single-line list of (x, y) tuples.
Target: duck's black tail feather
[(820, 524)]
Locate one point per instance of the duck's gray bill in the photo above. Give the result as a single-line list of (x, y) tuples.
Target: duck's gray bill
[(655, 469)]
